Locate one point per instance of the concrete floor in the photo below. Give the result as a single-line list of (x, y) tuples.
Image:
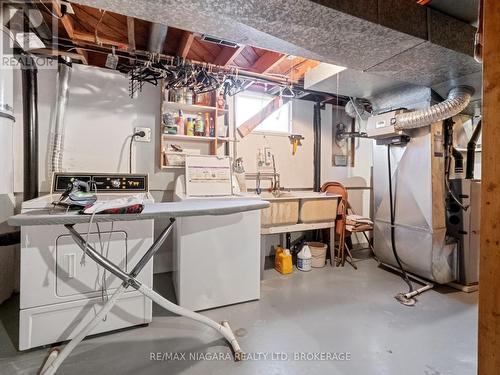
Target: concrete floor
[(326, 310)]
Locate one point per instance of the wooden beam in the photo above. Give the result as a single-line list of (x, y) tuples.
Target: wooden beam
[(67, 23), (185, 44), (66, 20), (299, 70), (84, 57), (54, 52), (489, 264), (249, 125), (90, 38), (267, 61), (131, 33), (227, 55)]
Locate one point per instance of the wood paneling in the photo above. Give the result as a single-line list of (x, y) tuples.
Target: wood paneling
[(489, 275)]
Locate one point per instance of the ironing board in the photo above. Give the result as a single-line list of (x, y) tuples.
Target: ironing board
[(151, 211)]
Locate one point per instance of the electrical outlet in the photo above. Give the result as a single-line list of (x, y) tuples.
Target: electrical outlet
[(146, 138)]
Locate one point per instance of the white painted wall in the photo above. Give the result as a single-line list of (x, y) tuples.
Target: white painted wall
[(101, 116), (99, 120)]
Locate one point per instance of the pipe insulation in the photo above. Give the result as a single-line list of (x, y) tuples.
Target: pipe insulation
[(157, 37), (458, 99), (64, 75)]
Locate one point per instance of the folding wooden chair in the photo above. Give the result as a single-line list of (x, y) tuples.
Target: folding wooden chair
[(341, 252)]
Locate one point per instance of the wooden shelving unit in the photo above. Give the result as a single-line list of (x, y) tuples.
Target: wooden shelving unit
[(191, 110)]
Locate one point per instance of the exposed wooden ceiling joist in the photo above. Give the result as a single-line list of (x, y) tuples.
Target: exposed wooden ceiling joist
[(67, 23), (131, 33), (267, 61), (227, 55), (93, 32), (91, 38), (53, 52), (185, 44)]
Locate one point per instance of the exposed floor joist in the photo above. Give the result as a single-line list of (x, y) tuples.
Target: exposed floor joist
[(131, 33), (227, 55), (69, 28), (185, 44), (267, 61)]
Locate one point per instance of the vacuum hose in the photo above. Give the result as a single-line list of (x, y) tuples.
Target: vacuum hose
[(458, 99), (400, 296)]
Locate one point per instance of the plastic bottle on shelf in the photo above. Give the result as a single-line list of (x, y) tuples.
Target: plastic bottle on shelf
[(207, 125), (212, 127), (190, 126), (180, 123)]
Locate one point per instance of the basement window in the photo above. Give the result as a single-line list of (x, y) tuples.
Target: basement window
[(248, 104)]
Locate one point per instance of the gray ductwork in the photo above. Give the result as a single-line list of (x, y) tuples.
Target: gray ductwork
[(64, 75), (157, 37), (457, 100)]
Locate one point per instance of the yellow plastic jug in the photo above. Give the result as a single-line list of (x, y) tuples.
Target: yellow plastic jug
[(283, 261)]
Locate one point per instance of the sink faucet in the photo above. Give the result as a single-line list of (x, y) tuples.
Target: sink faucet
[(258, 190), (275, 187)]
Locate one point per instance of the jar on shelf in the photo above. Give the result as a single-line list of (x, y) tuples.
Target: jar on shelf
[(199, 126), (189, 97)]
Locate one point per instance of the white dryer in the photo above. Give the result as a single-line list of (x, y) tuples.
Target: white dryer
[(61, 290)]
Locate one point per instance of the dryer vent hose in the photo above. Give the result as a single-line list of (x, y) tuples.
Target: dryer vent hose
[(458, 99)]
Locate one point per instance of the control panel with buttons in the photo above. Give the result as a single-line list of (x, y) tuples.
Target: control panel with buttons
[(102, 182)]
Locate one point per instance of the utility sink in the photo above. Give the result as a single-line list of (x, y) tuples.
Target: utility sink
[(288, 208)]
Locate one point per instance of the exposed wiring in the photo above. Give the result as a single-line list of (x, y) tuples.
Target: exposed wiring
[(103, 12), (132, 138), (50, 11), (392, 208)]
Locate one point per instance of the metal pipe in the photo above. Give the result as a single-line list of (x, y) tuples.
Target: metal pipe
[(459, 160), (64, 75), (157, 37), (30, 126), (471, 152), (317, 146)]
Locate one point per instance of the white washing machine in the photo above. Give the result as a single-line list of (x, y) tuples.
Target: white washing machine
[(61, 290), (216, 258)]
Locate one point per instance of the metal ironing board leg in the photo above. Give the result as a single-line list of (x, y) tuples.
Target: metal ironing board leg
[(56, 357)]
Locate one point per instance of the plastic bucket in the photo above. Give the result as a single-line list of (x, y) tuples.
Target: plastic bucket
[(318, 252)]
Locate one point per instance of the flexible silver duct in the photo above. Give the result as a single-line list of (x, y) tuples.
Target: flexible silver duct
[(354, 109), (64, 75), (457, 100)]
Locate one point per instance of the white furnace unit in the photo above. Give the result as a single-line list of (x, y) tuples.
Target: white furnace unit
[(60, 289)]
